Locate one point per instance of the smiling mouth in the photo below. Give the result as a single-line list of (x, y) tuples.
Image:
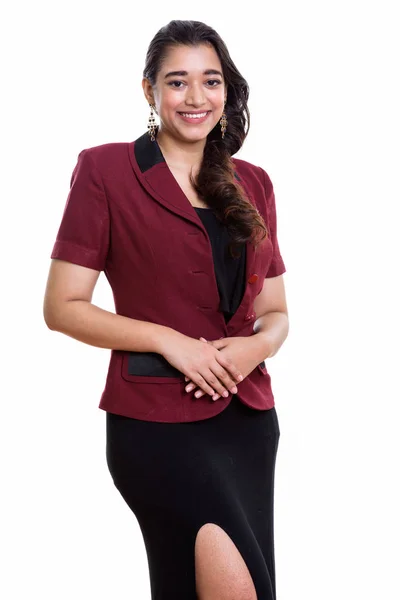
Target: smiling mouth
[(194, 116)]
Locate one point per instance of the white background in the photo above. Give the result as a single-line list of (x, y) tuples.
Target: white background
[(324, 104)]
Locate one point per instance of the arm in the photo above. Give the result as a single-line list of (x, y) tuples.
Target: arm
[(79, 255), (68, 309), (272, 325)]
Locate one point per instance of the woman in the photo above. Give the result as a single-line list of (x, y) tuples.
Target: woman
[(187, 237)]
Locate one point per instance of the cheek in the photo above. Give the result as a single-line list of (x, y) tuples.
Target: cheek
[(217, 115), (168, 104), (218, 108), (216, 100)]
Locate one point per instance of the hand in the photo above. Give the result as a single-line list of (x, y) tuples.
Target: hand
[(239, 349), (203, 364)]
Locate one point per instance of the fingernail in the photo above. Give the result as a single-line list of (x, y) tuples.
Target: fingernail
[(240, 377), (189, 388), (197, 394), (215, 397), (226, 393), (234, 390)]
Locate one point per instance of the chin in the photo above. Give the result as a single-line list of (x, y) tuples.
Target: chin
[(194, 136)]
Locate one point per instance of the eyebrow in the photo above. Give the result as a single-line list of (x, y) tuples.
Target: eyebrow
[(185, 73)]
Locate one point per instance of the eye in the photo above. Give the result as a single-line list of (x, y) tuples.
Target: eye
[(172, 84), (216, 81)]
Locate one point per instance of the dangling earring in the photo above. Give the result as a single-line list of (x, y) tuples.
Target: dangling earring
[(223, 122), (152, 127)]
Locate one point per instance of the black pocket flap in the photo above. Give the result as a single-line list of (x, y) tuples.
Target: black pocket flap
[(151, 364)]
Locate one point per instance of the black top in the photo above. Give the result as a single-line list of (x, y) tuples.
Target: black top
[(229, 271)]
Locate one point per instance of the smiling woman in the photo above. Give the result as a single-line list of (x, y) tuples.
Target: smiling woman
[(187, 237)]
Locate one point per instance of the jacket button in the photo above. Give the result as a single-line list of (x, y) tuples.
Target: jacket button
[(253, 278), (248, 317)]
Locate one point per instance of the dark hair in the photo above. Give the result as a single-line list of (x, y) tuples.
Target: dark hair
[(215, 182)]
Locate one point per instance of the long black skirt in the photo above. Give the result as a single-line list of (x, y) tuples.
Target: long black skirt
[(176, 477)]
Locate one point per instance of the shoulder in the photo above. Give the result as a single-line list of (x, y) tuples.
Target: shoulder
[(253, 175), (107, 156)]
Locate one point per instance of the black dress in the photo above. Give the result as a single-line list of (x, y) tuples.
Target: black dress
[(176, 477)]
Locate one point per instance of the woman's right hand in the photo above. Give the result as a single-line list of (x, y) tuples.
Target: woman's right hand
[(203, 364)]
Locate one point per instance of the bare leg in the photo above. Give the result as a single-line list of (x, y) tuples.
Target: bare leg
[(221, 572)]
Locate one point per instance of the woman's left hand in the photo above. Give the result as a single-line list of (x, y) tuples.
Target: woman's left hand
[(243, 352)]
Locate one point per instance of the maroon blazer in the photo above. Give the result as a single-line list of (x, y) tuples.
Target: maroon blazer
[(127, 215)]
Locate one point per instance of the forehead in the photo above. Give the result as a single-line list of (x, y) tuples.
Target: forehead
[(191, 59)]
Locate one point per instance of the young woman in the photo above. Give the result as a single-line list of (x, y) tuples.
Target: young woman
[(187, 238)]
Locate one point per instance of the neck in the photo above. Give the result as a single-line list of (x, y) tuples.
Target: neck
[(179, 154)]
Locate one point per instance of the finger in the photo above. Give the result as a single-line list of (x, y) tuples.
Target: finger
[(202, 382), (224, 379), (200, 393), (229, 367), (216, 377), (218, 344)]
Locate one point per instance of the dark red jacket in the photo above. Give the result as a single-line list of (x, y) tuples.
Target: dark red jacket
[(127, 215)]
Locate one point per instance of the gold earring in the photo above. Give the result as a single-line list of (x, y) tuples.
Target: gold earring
[(224, 123), (152, 127)]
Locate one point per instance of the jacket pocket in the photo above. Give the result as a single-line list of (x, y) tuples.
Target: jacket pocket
[(149, 367)]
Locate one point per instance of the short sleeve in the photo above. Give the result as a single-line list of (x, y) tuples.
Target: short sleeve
[(83, 235), (277, 266)]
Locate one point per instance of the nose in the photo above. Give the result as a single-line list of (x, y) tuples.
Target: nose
[(195, 96)]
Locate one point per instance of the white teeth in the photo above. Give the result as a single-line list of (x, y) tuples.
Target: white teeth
[(199, 116)]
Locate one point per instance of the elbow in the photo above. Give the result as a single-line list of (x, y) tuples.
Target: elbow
[(49, 320), (51, 316), (58, 315)]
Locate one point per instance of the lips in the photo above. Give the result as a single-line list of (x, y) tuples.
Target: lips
[(192, 113), (194, 117)]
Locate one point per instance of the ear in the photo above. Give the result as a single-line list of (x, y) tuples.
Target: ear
[(148, 91)]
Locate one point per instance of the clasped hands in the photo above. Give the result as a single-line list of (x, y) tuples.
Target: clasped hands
[(239, 350)]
